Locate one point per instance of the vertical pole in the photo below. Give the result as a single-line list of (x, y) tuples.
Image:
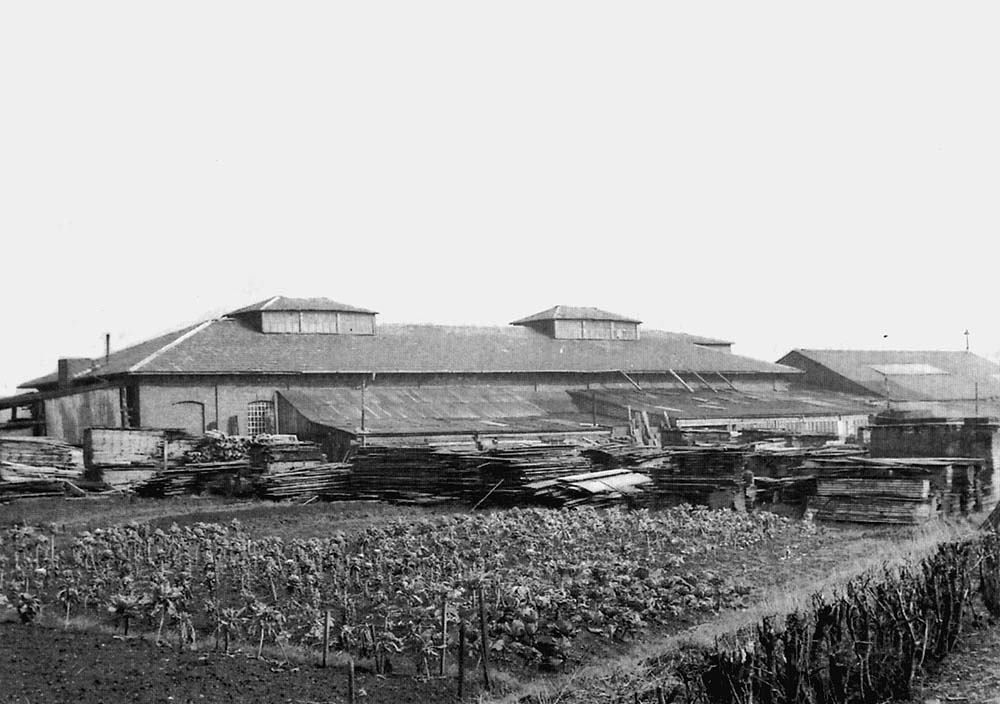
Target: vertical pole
[(483, 645), (977, 398), (350, 682), (326, 637), (444, 635), (364, 383), (166, 443), (593, 408), (461, 658), (107, 347)]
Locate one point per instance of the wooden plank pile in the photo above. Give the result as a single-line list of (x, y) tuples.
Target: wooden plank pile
[(41, 452), (603, 488), (192, 478), (281, 454), (499, 476), (707, 476), (108, 448), (863, 490), (32, 488), (32, 467), (409, 473), (329, 481), (507, 474)]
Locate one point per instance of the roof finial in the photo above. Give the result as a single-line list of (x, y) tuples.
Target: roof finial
[(966, 333)]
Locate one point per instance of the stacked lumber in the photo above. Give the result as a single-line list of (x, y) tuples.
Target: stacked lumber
[(602, 488), (406, 473), (769, 460), (329, 481), (863, 490), (706, 476), (623, 454), (31, 488), (41, 452), (902, 489), (866, 510), (284, 454), (110, 448), (192, 478), (508, 473)]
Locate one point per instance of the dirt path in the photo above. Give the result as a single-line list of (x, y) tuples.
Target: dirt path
[(970, 674)]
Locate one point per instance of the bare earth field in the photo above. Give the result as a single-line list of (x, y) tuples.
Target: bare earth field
[(89, 663)]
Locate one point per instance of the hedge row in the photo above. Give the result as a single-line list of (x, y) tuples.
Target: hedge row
[(861, 646)]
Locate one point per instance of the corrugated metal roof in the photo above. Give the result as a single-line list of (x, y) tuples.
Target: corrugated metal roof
[(726, 403), (286, 303), (951, 375), (574, 313), (425, 409)]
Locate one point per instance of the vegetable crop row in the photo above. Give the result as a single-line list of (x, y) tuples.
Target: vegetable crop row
[(546, 576)]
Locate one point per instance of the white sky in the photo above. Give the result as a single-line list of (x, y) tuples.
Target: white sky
[(780, 174)]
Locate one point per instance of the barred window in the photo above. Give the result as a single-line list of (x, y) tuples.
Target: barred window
[(260, 417)]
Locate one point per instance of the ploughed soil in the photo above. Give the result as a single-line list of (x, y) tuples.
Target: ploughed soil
[(39, 665)]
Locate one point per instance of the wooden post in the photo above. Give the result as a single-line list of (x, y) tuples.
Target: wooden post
[(350, 682), (461, 658), (483, 645), (166, 443), (444, 635), (326, 637)]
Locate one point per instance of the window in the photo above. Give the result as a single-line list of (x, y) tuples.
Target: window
[(260, 418)]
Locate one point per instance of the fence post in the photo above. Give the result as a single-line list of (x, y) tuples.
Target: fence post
[(350, 682), (483, 645), (444, 635), (326, 637), (461, 658)]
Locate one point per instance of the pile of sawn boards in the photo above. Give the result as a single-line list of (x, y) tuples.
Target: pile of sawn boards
[(491, 477), (904, 490), (415, 473), (42, 453), (328, 480), (283, 455), (191, 478)]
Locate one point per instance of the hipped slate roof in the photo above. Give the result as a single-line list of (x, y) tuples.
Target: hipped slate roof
[(574, 313), (229, 346), (286, 303), (912, 375)]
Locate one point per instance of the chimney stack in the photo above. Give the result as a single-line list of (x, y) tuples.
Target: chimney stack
[(64, 372), (107, 347)]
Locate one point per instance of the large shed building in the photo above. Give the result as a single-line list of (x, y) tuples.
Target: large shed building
[(319, 359)]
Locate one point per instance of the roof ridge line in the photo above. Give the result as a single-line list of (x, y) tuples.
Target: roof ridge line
[(170, 345), (271, 302)]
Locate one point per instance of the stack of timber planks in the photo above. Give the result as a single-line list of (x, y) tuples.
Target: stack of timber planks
[(708, 476), (33, 467), (192, 478), (862, 490), (329, 481), (123, 457), (507, 474), (415, 473), (41, 452), (498, 476), (283, 454), (602, 488)]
